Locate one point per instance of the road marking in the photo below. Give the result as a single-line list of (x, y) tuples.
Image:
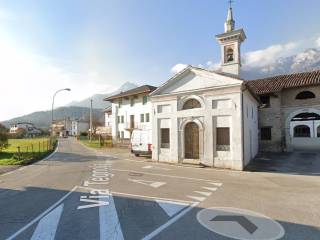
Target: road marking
[(200, 199), (42, 214), (170, 207), (148, 183), (210, 189), (150, 197), (171, 221), (162, 175), (216, 184), (156, 167), (207, 194), (110, 227), (240, 224), (94, 203), (47, 227)]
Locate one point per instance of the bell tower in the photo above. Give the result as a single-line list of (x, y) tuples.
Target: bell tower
[(230, 42)]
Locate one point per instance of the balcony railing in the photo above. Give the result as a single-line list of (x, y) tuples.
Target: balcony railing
[(136, 125)]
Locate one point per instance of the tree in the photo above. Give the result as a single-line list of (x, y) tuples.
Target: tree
[(3, 137)]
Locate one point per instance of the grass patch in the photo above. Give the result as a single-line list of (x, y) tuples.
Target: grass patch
[(26, 151), (95, 143)]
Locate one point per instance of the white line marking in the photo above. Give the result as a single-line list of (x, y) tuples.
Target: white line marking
[(155, 167), (47, 227), (109, 222), (171, 221), (200, 199), (170, 207), (162, 175), (150, 197), (207, 194), (20, 169), (41, 215), (210, 189), (216, 184), (148, 183)]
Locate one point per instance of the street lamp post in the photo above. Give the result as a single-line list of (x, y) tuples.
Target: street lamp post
[(54, 95)]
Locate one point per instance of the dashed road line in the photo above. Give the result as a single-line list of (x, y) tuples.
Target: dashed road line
[(200, 199), (207, 194), (210, 189)]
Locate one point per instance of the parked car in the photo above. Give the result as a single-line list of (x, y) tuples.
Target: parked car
[(141, 142)]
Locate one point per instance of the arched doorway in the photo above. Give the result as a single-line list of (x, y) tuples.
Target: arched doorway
[(191, 141), (303, 131)]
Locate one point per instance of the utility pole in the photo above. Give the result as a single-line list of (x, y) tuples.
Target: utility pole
[(91, 125)]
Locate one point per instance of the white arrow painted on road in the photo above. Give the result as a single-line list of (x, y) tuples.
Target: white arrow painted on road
[(170, 207), (47, 226), (148, 183)]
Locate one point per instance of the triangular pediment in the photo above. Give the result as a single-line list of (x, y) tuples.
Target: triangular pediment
[(191, 79)]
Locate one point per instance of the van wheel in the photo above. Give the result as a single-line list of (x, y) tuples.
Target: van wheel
[(137, 155)]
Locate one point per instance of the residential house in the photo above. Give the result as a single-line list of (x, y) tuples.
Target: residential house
[(130, 110), (30, 129)]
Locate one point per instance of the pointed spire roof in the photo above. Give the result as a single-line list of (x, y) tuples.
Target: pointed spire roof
[(230, 23)]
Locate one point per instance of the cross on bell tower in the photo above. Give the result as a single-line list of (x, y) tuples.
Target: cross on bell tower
[(230, 42)]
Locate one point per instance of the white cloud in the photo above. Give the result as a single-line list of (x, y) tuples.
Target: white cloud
[(318, 42), (268, 55), (28, 82), (178, 68)]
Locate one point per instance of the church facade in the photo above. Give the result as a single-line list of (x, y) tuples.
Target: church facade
[(207, 117)]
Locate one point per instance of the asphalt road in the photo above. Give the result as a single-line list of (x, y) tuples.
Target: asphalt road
[(80, 193)]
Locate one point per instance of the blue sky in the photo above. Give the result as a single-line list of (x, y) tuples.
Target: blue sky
[(95, 46)]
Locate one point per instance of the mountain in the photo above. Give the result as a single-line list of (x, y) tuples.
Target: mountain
[(307, 60), (98, 98), (42, 119)]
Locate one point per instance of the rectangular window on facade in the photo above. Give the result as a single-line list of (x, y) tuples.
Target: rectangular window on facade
[(122, 119), (118, 134), (223, 139), (265, 101), (144, 100), (120, 103), (165, 137), (147, 117), (132, 102), (265, 133), (122, 134), (142, 117), (118, 119)]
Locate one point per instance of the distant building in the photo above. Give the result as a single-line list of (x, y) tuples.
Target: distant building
[(31, 130), (78, 126), (130, 110), (68, 127)]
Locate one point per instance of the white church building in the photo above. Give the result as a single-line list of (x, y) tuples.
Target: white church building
[(207, 117)]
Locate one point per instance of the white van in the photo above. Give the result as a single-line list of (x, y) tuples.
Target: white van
[(141, 142)]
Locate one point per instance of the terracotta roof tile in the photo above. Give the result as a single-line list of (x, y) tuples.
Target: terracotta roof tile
[(278, 83)]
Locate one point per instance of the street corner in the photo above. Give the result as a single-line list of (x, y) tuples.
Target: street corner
[(240, 224)]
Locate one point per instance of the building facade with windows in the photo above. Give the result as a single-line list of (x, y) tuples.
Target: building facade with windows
[(289, 117), (130, 110)]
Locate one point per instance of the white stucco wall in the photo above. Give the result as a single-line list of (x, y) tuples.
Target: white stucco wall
[(126, 110), (217, 106), (250, 127)]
